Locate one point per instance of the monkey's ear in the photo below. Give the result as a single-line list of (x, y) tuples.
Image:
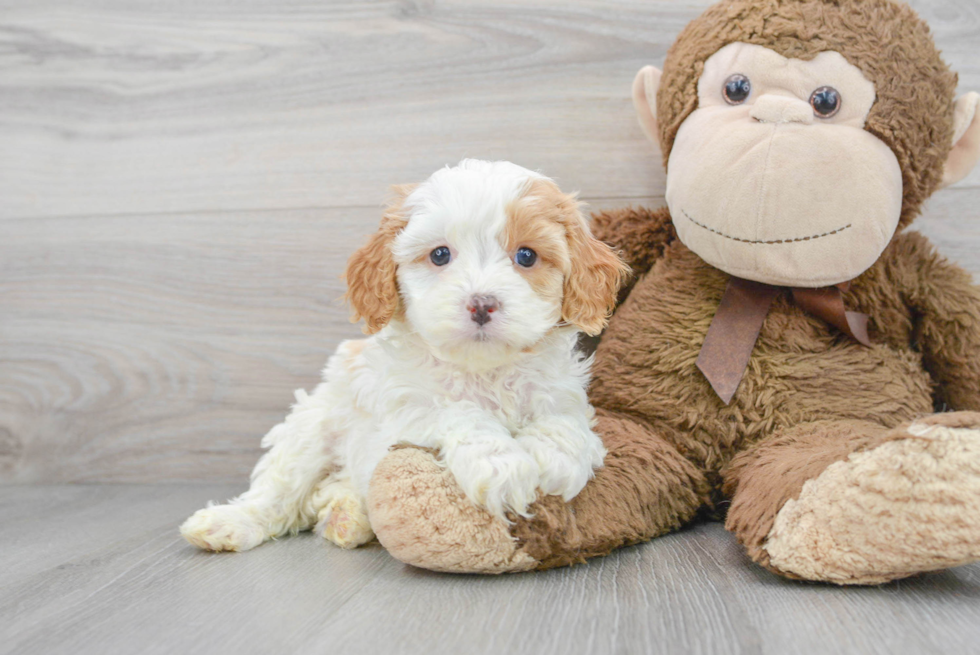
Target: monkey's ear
[(645, 86), (966, 140)]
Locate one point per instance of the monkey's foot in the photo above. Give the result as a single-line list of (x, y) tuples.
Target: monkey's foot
[(907, 506)]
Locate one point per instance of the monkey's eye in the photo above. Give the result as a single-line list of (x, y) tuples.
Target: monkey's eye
[(825, 101), (737, 89), (440, 256), (525, 257)]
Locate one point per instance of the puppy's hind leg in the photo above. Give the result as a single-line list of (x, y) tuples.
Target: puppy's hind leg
[(280, 497), (342, 514)]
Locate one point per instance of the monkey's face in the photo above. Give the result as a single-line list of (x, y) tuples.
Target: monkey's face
[(773, 177)]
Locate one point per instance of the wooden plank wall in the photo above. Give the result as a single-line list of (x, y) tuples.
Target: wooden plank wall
[(181, 182)]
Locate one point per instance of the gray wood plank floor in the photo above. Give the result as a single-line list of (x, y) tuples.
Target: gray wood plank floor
[(106, 572)]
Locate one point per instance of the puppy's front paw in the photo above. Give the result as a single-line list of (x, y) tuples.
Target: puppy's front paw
[(223, 527), (497, 475), (561, 474)]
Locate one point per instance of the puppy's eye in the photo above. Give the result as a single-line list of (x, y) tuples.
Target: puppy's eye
[(825, 101), (737, 88), (525, 257), (440, 256)]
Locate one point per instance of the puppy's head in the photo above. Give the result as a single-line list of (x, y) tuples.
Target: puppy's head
[(482, 260)]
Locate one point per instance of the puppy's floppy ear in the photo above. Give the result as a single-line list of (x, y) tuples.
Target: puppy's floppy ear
[(372, 285), (596, 273)]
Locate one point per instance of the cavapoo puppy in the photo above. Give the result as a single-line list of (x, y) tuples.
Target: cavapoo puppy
[(475, 288)]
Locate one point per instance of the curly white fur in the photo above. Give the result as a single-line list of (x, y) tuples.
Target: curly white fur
[(503, 402)]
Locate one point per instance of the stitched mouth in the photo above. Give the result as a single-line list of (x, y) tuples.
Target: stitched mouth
[(762, 241)]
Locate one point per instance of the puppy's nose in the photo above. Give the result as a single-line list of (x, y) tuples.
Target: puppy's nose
[(481, 307)]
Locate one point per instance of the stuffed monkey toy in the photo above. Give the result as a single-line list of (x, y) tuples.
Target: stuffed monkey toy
[(786, 348)]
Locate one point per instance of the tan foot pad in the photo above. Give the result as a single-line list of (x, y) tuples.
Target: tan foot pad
[(908, 506), (420, 515)]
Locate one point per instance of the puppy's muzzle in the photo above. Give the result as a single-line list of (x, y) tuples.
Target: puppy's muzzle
[(481, 307)]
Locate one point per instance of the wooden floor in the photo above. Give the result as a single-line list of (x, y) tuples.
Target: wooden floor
[(106, 572), (181, 182)]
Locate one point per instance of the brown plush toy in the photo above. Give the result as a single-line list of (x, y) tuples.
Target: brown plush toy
[(786, 343)]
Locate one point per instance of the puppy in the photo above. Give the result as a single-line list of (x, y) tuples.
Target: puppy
[(475, 287)]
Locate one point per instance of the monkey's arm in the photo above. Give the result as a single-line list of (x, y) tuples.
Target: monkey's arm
[(640, 234), (946, 320)]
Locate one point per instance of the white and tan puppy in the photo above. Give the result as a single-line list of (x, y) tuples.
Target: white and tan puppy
[(476, 287)]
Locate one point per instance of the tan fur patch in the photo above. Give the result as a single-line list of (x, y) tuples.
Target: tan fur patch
[(355, 347), (534, 221), (372, 285), (592, 271), (351, 350)]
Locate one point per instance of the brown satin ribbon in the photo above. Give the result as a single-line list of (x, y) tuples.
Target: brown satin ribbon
[(735, 328), (827, 304)]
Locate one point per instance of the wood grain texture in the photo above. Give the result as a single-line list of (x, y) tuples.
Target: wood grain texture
[(181, 182), (126, 586), (190, 107), (164, 347), (178, 106), (46, 526)]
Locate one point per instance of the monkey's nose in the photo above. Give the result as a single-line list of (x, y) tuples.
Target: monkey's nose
[(770, 108), (480, 308)]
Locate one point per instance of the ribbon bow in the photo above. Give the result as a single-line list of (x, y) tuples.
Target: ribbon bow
[(735, 328)]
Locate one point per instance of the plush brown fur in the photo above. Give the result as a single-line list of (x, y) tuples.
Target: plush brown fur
[(666, 492), (811, 397)]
